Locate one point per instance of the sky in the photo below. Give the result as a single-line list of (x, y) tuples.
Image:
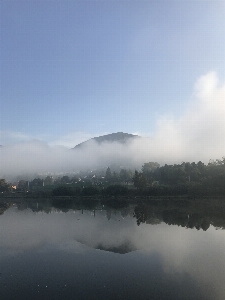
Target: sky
[(72, 70)]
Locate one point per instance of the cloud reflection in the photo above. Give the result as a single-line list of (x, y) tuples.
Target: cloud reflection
[(181, 250)]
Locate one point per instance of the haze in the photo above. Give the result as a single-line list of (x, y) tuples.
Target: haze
[(73, 70), (198, 134)]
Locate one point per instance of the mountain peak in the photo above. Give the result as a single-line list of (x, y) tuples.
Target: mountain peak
[(119, 137)]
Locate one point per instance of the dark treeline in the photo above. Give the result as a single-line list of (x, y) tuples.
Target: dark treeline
[(153, 180), (180, 179)]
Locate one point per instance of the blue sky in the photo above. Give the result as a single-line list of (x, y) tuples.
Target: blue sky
[(71, 70)]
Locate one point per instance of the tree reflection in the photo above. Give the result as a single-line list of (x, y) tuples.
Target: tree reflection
[(190, 214), (4, 206)]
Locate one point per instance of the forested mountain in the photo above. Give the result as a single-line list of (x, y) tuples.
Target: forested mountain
[(119, 137)]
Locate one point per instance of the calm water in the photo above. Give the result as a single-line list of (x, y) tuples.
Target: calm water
[(132, 252)]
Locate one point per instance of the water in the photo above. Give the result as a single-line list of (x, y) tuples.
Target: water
[(105, 252)]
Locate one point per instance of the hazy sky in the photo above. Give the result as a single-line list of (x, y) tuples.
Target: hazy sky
[(71, 70)]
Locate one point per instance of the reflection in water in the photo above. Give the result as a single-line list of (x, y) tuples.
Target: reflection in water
[(4, 206), (185, 213), (73, 253), (126, 247), (199, 214)]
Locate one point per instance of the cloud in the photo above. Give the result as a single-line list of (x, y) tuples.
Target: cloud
[(199, 134), (9, 137), (203, 125)]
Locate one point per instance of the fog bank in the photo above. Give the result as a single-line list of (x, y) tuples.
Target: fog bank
[(199, 134)]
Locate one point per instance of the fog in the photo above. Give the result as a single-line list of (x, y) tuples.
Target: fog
[(198, 134)]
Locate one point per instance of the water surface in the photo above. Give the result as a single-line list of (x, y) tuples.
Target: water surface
[(132, 252)]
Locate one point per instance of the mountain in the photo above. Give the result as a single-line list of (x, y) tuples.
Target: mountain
[(119, 137)]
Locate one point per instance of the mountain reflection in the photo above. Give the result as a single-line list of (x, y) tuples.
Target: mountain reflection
[(123, 248), (124, 252)]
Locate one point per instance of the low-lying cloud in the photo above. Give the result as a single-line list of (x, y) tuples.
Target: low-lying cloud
[(199, 134)]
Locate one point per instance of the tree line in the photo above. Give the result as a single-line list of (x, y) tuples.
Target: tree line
[(153, 180), (184, 178)]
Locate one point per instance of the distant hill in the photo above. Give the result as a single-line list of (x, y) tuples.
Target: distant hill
[(119, 137)]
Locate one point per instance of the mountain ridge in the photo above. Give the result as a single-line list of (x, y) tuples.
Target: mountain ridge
[(119, 137)]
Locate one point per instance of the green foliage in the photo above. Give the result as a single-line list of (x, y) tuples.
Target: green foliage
[(65, 179), (125, 175), (115, 177), (48, 180), (37, 182), (108, 174), (116, 190), (182, 179), (89, 191), (148, 169), (62, 191), (139, 180), (23, 185), (4, 187)]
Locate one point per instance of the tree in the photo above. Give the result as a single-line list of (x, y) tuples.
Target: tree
[(4, 187), (36, 182), (150, 167), (108, 174), (139, 180), (74, 179), (90, 191), (48, 180), (62, 191), (23, 185), (125, 175), (117, 189), (65, 179), (115, 177), (149, 171), (201, 167)]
